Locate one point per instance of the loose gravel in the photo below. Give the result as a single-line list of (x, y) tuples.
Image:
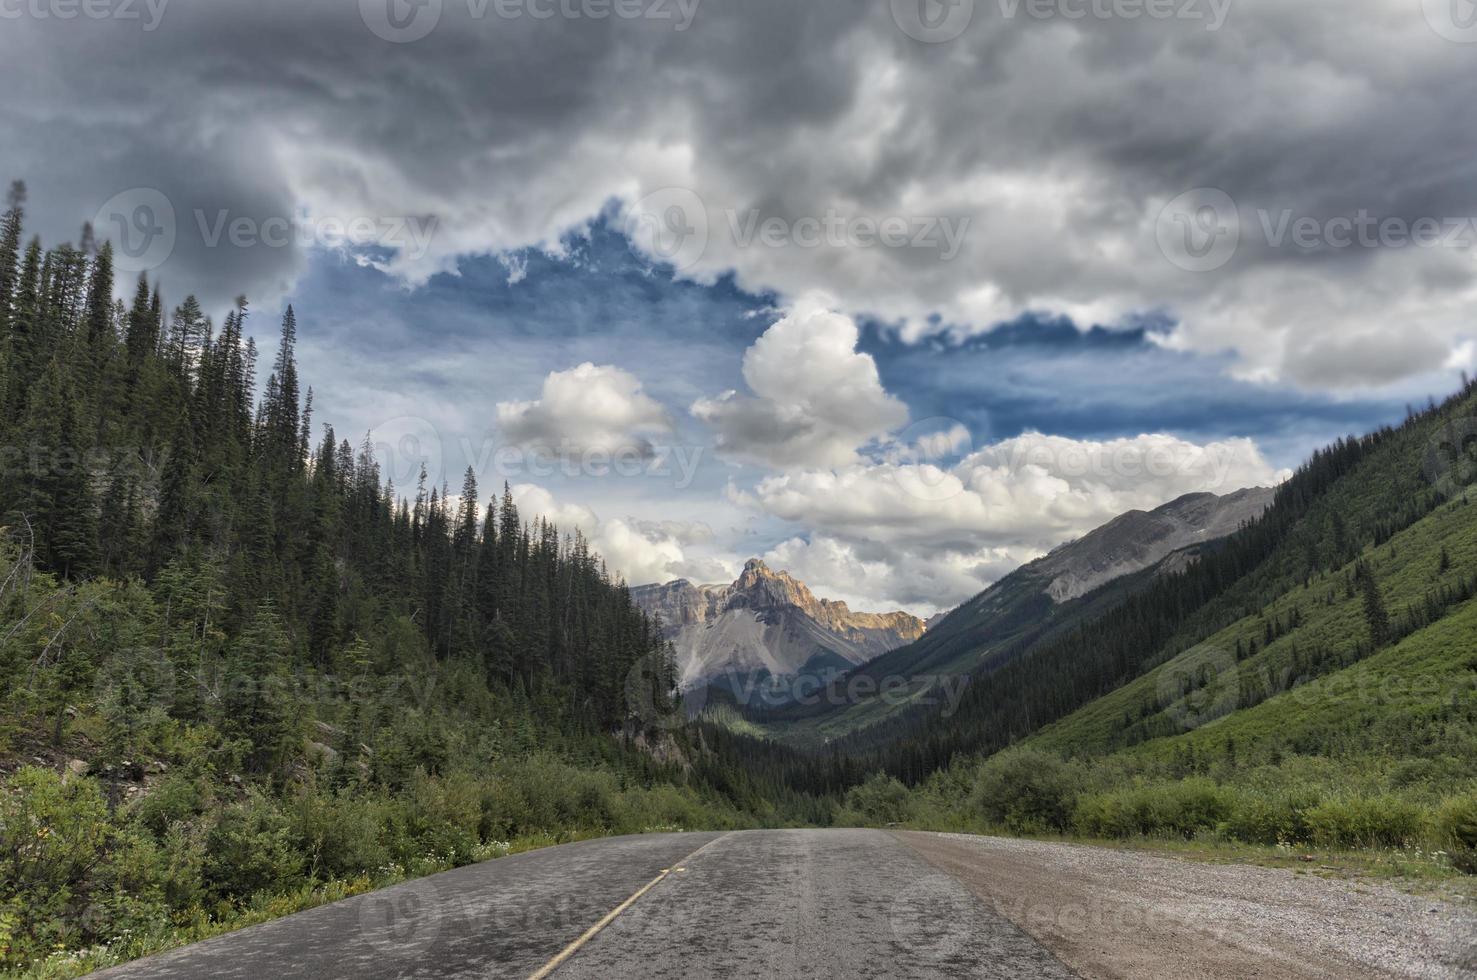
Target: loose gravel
[(1112, 913)]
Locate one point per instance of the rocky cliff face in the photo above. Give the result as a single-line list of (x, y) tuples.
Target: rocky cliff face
[(767, 621), (1139, 539)]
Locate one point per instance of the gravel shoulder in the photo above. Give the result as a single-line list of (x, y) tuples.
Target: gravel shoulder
[(1111, 913)]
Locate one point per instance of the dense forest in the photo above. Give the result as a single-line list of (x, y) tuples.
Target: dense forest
[(241, 673)]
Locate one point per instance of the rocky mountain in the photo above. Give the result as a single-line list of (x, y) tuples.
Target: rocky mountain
[(1138, 539), (1043, 598), (767, 622)]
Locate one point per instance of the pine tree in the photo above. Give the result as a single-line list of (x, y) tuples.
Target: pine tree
[(1375, 615), (10, 255)]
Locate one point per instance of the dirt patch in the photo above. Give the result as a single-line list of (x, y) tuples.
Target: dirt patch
[(1109, 913)]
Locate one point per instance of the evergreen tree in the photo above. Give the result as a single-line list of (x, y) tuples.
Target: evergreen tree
[(1375, 615)]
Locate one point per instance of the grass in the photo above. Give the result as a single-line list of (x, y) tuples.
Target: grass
[(75, 963)]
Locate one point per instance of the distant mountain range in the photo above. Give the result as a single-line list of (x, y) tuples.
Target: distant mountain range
[(1072, 584), (767, 623)]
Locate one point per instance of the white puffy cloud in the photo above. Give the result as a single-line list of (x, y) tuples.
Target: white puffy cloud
[(587, 408), (641, 552), (815, 399), (929, 535)]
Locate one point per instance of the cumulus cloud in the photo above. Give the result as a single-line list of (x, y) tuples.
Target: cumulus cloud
[(1058, 141), (922, 533), (587, 408), (815, 399), (640, 552)]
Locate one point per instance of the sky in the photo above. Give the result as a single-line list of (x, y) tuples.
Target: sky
[(895, 294)]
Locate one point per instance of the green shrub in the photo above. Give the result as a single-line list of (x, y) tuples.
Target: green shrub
[(1457, 823), (1264, 819), (340, 835), (881, 799), (249, 849), (51, 834), (1178, 809), (1026, 791), (179, 796), (1383, 821)]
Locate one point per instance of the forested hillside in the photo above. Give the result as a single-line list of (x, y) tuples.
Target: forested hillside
[(1312, 682), (1352, 496), (240, 673)]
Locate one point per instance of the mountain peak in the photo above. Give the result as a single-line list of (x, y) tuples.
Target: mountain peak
[(767, 619)]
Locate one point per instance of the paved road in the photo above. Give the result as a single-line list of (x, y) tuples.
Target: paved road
[(783, 903), (848, 904)]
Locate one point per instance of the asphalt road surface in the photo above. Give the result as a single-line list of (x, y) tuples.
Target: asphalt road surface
[(781, 903)]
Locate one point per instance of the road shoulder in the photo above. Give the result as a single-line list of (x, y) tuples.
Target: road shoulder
[(1113, 913)]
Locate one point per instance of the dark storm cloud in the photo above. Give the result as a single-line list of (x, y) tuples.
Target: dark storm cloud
[(1059, 141)]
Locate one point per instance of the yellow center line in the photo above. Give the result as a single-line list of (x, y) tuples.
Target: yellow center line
[(610, 917)]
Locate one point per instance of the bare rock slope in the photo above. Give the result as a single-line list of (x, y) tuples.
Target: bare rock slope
[(767, 621)]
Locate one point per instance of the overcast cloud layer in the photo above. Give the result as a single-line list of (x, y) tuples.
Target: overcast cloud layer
[(1023, 164), (1288, 188)]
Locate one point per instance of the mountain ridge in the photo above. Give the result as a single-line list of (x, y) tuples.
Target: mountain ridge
[(767, 621), (1073, 582)]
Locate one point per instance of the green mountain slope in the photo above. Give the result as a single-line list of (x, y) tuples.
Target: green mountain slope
[(1076, 583), (1326, 696), (1355, 495)]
